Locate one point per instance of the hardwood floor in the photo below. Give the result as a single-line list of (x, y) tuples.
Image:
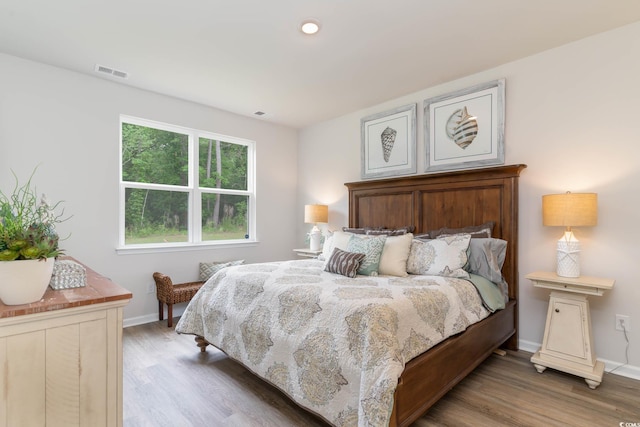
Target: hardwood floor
[(168, 382)]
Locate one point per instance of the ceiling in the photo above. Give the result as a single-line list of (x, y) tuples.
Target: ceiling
[(245, 56)]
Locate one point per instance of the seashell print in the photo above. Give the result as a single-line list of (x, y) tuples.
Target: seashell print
[(462, 127), (388, 138)]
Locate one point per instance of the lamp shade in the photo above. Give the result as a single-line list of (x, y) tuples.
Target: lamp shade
[(570, 209), (314, 214)]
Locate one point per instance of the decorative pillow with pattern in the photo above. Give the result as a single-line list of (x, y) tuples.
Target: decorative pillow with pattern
[(344, 263), (371, 247), (476, 231), (445, 256), (391, 232), (208, 269)]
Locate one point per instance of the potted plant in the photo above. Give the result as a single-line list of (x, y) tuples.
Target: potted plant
[(28, 243)]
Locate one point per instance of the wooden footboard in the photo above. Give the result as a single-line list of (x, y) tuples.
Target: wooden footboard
[(429, 376)]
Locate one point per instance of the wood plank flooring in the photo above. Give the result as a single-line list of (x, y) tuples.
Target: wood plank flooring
[(168, 382)]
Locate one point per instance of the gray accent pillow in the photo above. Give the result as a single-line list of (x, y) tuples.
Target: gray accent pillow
[(344, 263), (486, 258), (208, 269), (476, 231)]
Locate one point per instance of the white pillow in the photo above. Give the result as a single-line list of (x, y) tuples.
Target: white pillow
[(393, 261), (339, 239), (445, 256)]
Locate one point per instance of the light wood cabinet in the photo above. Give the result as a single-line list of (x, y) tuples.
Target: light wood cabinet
[(568, 339), (61, 358)]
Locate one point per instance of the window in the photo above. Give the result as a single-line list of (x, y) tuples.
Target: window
[(183, 187)]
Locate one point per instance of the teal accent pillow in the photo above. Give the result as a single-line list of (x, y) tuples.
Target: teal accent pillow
[(489, 292), (371, 247)]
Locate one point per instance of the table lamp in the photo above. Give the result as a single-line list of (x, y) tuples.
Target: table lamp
[(569, 210), (314, 214)]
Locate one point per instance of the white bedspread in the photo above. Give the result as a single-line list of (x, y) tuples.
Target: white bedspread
[(336, 345)]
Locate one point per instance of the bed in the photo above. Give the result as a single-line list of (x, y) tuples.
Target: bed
[(413, 380)]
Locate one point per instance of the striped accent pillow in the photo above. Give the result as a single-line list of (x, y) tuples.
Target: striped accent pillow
[(344, 263)]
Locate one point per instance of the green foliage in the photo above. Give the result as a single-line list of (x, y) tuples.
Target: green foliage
[(27, 227)]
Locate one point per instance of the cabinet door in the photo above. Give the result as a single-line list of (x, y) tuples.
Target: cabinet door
[(55, 371), (566, 330)]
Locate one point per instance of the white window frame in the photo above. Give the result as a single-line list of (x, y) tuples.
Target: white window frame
[(193, 189)]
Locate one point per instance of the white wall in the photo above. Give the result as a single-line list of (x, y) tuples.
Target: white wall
[(68, 123), (570, 116)]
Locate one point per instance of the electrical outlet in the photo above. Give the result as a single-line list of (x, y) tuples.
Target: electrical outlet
[(623, 320), (151, 288)]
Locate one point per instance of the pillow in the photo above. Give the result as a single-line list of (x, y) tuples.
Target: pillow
[(393, 261), (338, 239), (390, 232), (208, 269), (386, 232), (439, 257), (372, 247), (354, 230), (486, 258), (344, 263), (490, 293), (476, 231)]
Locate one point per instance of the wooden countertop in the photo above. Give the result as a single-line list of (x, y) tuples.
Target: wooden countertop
[(99, 289)]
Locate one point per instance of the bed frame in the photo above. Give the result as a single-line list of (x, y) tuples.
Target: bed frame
[(428, 202)]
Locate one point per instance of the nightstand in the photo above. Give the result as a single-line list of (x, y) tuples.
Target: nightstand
[(568, 340), (307, 253)]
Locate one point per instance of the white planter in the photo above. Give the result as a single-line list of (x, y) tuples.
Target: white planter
[(24, 281)]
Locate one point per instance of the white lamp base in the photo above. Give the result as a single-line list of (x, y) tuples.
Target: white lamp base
[(568, 256), (315, 237)]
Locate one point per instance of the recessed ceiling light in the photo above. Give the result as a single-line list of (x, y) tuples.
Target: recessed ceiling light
[(310, 26)]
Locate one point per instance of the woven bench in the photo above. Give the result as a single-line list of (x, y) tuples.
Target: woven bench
[(170, 294)]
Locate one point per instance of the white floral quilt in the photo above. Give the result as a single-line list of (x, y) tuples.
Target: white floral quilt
[(335, 345)]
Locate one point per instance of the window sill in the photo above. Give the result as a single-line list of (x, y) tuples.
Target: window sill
[(181, 247)]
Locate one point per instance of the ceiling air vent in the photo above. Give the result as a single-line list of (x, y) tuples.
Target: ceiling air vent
[(110, 71)]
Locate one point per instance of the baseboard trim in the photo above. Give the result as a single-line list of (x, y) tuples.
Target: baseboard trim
[(610, 366), (150, 318)]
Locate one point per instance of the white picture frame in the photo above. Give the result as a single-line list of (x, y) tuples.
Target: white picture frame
[(465, 129), (389, 143)]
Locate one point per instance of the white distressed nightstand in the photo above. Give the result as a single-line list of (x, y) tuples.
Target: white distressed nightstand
[(568, 340), (308, 253)]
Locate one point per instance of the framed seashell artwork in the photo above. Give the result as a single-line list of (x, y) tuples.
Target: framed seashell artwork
[(465, 129), (389, 143)]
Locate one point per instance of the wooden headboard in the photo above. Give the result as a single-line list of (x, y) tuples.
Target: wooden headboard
[(449, 199)]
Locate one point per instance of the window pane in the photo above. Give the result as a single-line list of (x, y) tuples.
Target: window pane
[(154, 216), (223, 164), (154, 155), (224, 217)]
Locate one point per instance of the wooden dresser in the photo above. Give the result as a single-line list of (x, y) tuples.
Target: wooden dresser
[(61, 358)]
